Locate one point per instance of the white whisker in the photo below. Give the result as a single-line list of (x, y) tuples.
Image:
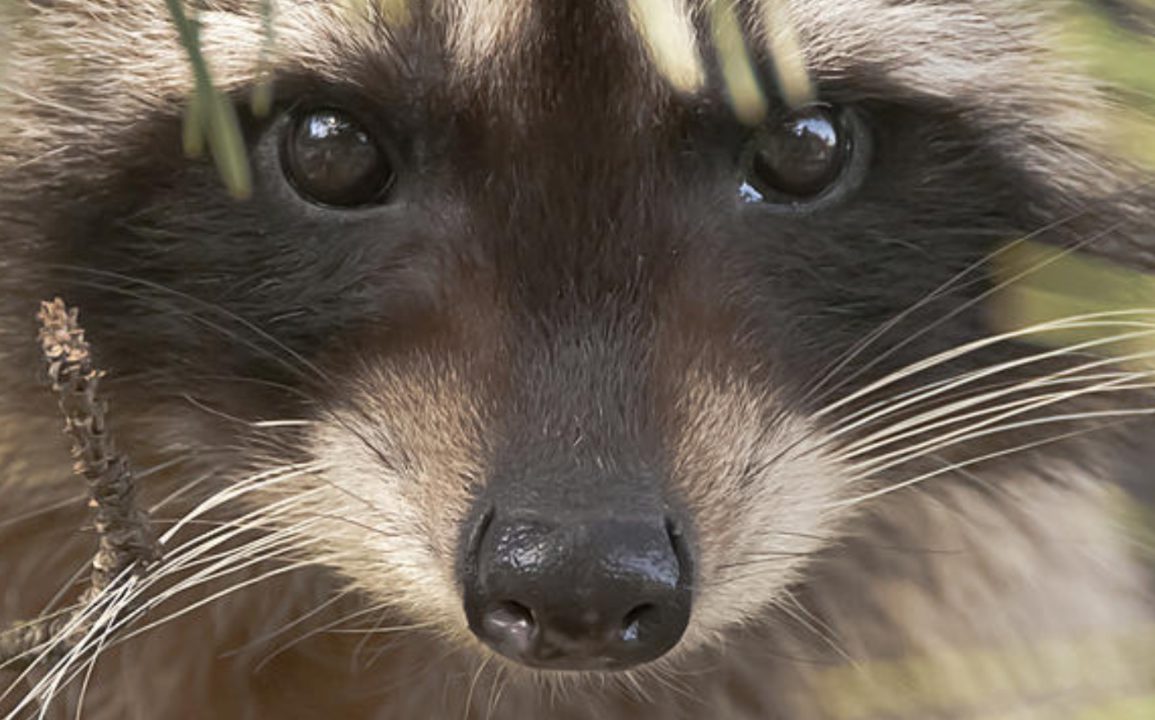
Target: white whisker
[(917, 427), (1134, 412), (213, 597), (282, 423), (1015, 408), (304, 617), (260, 481), (1075, 322), (887, 407), (919, 423), (1001, 285)]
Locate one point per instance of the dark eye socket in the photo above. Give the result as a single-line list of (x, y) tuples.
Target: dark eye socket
[(798, 158), (332, 159)]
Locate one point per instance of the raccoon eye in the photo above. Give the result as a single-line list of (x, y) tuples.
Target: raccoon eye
[(332, 159), (799, 158)]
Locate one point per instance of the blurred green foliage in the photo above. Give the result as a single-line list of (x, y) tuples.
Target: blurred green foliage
[(1115, 42), (1070, 300), (210, 117), (1066, 678), (1123, 58), (1118, 46)]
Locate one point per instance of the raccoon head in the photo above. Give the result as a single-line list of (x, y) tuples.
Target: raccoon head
[(529, 336)]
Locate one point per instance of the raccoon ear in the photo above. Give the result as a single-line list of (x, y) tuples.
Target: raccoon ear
[(802, 158), (332, 159)]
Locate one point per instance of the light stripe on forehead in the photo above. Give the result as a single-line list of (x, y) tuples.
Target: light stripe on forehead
[(667, 28), (943, 49), (997, 61), (481, 32)]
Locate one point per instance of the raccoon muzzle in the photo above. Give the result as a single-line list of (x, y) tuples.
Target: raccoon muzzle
[(585, 593)]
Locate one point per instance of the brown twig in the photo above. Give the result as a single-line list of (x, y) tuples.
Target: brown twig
[(126, 543)]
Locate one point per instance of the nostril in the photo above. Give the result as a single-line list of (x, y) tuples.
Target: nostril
[(511, 624), (605, 593), (681, 551), (510, 615), (636, 622)]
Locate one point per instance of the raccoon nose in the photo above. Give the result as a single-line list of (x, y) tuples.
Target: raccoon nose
[(605, 594)]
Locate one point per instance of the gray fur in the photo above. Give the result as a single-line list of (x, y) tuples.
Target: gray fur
[(566, 284)]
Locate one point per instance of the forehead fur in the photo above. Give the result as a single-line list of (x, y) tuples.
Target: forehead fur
[(991, 56)]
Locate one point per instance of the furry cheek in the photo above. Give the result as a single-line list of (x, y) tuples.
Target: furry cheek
[(400, 464), (397, 466), (762, 483)]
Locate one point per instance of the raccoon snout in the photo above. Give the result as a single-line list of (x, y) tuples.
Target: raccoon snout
[(600, 594)]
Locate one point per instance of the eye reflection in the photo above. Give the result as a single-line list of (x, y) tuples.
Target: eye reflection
[(796, 158), (331, 159)]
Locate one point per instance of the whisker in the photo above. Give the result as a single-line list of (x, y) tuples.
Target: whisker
[(355, 660), (94, 616), (1067, 323), (303, 362), (197, 378), (380, 630), (89, 670), (261, 481), (997, 287), (327, 627), (282, 423), (1084, 384), (180, 492), (817, 626), (883, 407), (998, 453), (1012, 409), (74, 501), (886, 407), (281, 629), (495, 690), (767, 557), (940, 291), (115, 625), (473, 686), (213, 566), (1109, 383), (213, 597), (199, 545)]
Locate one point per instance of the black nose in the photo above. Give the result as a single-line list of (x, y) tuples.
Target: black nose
[(603, 594)]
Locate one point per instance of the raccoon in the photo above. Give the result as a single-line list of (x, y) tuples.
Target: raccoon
[(560, 365)]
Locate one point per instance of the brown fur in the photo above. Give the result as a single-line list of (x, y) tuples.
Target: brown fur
[(572, 297)]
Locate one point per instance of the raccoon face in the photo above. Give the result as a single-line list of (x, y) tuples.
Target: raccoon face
[(580, 365)]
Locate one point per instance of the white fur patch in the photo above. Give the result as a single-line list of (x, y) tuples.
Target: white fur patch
[(667, 28), (481, 32), (399, 465), (760, 494)]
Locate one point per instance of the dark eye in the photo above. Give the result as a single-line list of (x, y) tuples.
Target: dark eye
[(799, 158), (332, 159)]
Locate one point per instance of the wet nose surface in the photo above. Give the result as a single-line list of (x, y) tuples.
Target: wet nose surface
[(604, 594)]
